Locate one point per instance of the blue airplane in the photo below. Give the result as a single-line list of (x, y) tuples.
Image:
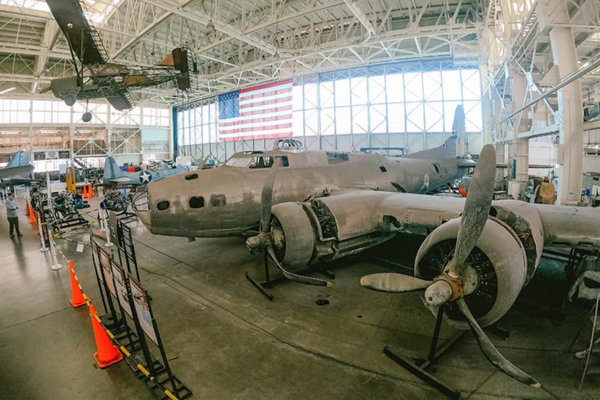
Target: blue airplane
[(113, 175)]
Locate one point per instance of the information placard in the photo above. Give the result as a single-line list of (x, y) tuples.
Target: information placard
[(106, 270), (121, 288), (142, 308)]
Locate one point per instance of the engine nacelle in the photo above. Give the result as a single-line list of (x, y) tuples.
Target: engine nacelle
[(325, 229), (499, 261)]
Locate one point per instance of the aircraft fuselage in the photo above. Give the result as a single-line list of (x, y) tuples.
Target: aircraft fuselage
[(226, 201)]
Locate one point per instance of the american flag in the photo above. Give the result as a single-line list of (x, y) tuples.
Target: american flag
[(261, 112)]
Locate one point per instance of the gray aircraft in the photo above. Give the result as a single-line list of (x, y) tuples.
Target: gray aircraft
[(478, 255), (156, 171), (226, 201), (17, 171)]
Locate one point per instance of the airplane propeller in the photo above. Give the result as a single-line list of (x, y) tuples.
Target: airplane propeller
[(458, 279), (264, 240)]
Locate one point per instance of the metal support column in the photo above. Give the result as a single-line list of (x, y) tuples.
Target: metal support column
[(570, 112)]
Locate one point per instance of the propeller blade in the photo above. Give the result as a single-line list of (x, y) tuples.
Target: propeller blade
[(267, 197), (476, 209), (392, 282), (490, 351), (295, 277)]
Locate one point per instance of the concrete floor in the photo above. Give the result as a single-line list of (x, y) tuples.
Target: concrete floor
[(226, 341)]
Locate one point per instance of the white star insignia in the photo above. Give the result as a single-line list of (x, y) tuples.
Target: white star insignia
[(145, 177)]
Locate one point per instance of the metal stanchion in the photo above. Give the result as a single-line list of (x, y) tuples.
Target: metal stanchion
[(55, 264), (107, 226), (44, 248)]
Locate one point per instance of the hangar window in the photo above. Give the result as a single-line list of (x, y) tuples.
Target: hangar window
[(162, 205), (218, 200), (189, 177), (197, 202)]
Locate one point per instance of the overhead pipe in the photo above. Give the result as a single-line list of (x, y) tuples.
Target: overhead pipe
[(576, 75)]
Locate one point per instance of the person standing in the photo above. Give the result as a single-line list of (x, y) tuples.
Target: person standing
[(11, 213)]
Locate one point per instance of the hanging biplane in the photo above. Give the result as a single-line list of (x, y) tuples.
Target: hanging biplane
[(95, 76)]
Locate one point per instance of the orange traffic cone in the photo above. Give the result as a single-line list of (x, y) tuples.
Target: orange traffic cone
[(77, 299), (108, 354), (85, 193), (31, 214), (91, 192), (27, 208)]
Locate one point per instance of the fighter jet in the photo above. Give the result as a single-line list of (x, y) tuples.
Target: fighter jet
[(156, 171), (17, 171)]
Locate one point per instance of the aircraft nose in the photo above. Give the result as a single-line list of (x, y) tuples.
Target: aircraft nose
[(141, 206)]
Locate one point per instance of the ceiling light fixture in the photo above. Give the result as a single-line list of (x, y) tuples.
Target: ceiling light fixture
[(210, 26)]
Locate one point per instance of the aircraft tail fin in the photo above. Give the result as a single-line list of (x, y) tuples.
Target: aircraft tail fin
[(112, 171), (20, 159), (455, 145)]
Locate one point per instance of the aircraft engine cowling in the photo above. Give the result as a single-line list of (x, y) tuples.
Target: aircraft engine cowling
[(293, 249), (324, 229), (499, 261)]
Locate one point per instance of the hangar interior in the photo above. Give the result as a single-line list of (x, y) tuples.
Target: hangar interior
[(365, 77)]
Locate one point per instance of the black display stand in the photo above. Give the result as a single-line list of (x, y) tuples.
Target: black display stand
[(154, 371), (268, 282), (419, 367)]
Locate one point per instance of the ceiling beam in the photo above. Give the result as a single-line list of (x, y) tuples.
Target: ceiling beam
[(219, 26), (148, 29)]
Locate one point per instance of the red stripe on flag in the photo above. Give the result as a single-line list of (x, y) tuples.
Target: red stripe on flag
[(267, 85), (266, 111), (255, 120), (251, 96), (254, 129), (264, 103), (256, 137)]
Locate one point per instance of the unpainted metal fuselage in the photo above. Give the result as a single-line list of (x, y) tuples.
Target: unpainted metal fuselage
[(226, 201)]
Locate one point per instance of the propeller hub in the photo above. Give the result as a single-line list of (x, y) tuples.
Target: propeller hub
[(444, 288), (258, 242)]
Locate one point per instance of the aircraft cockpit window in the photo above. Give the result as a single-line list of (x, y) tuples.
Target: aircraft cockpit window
[(335, 158), (437, 168), (189, 177), (196, 202), (261, 162)]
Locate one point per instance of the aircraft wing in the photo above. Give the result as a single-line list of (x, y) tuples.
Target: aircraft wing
[(14, 172), (83, 40), (122, 179), (369, 211)]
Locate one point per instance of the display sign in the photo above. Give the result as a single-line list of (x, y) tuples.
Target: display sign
[(107, 272), (142, 309), (64, 154), (121, 287), (39, 155), (114, 228)]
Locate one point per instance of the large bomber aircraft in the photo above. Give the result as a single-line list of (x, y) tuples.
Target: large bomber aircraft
[(315, 207), (226, 201), (478, 255)]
